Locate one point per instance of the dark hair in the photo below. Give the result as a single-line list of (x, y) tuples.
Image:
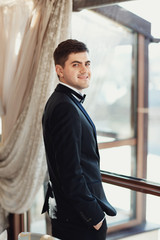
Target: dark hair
[(67, 47)]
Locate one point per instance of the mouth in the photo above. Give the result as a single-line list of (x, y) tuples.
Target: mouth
[(83, 77)]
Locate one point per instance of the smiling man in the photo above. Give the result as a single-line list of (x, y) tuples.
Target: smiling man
[(75, 199)]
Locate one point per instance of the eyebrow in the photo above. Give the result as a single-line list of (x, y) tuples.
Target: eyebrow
[(80, 62)]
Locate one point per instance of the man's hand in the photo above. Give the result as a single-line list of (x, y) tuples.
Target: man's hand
[(98, 226)]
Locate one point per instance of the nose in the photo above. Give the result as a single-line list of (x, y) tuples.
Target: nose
[(83, 69)]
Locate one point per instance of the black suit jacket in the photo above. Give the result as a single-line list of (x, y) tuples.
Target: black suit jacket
[(73, 159)]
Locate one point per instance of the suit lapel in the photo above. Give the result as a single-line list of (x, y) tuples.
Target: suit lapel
[(85, 113), (68, 91), (88, 118)]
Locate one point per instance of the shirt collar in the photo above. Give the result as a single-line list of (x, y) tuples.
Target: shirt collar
[(71, 88)]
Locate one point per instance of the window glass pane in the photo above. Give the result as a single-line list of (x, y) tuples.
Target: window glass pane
[(153, 207), (124, 201), (129, 206), (110, 97), (120, 160), (153, 164)]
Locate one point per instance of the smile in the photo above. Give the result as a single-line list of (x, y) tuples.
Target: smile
[(83, 77)]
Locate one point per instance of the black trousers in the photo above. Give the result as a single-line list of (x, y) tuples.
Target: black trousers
[(67, 230)]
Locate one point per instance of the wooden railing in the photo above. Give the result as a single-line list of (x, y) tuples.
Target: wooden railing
[(133, 183)]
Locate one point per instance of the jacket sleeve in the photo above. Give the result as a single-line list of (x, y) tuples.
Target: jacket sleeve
[(66, 131)]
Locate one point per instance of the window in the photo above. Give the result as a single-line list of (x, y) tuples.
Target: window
[(111, 99), (117, 101), (154, 114)]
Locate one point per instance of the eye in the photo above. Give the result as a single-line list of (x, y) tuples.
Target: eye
[(75, 64), (88, 64)]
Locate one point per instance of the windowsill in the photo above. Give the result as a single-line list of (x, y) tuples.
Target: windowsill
[(145, 227)]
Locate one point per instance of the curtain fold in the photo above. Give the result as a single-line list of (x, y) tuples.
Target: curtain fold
[(23, 95)]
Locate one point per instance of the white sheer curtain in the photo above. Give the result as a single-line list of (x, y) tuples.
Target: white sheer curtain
[(30, 30)]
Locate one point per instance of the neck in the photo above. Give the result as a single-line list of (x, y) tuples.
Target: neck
[(75, 89)]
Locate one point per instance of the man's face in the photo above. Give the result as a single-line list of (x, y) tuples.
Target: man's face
[(76, 71)]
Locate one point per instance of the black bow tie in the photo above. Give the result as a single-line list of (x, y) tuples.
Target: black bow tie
[(80, 97)]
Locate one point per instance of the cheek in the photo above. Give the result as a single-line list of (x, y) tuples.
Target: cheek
[(71, 73), (68, 74), (89, 74)]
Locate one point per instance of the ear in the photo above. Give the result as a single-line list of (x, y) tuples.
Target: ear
[(59, 70)]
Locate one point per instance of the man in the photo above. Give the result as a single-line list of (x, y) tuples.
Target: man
[(72, 152)]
